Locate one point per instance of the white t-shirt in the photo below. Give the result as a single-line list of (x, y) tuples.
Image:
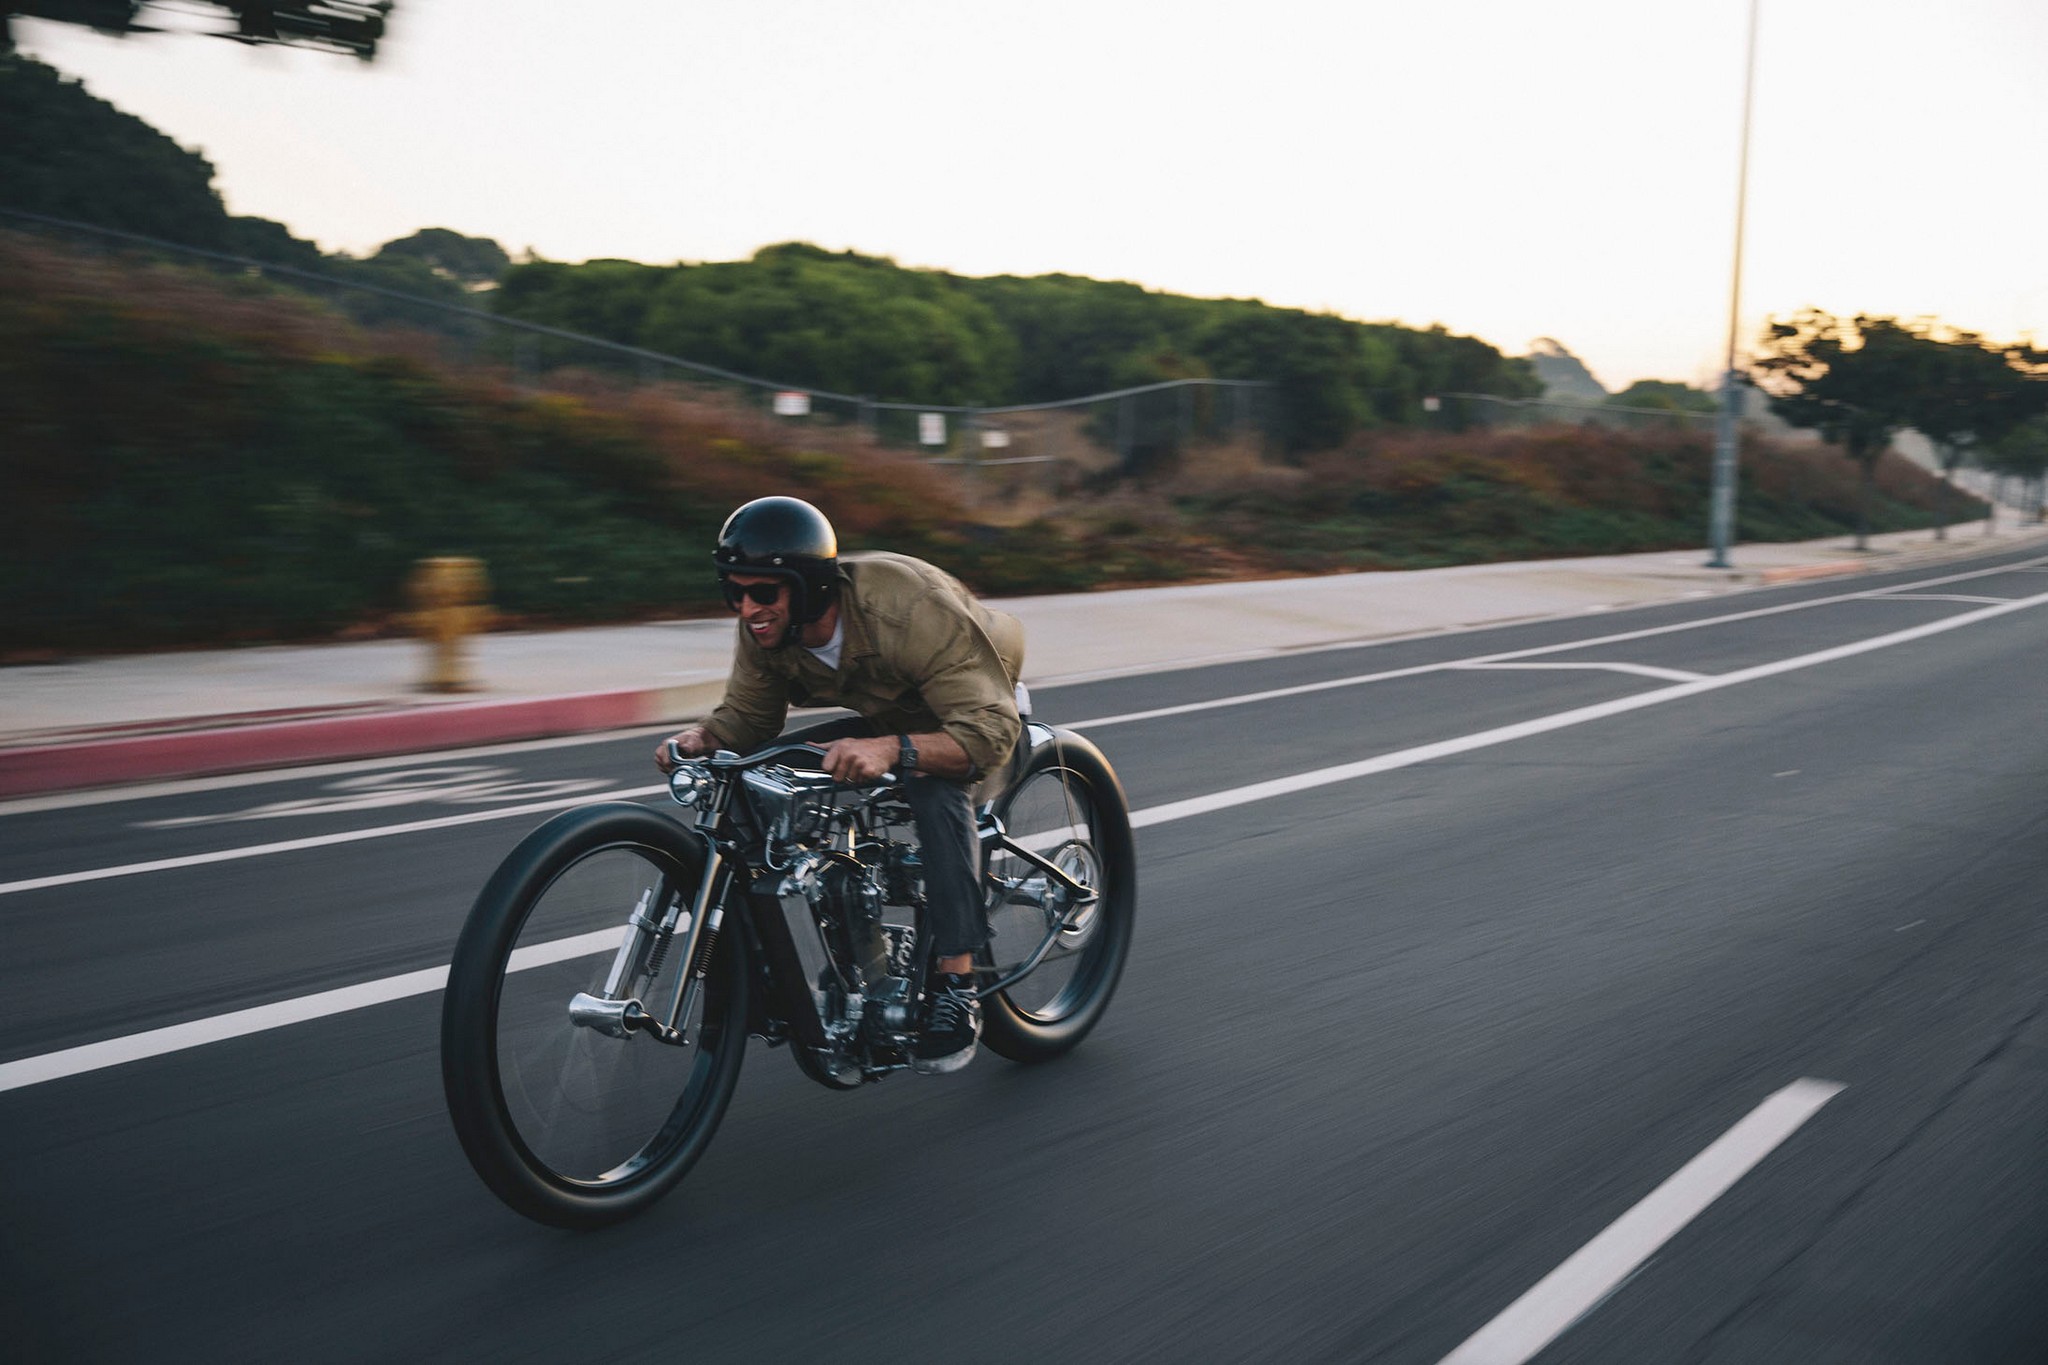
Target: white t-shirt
[(828, 653)]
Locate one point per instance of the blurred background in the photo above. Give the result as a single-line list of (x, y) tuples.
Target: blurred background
[(230, 427)]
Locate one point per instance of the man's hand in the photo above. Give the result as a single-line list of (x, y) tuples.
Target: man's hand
[(694, 742), (859, 760)]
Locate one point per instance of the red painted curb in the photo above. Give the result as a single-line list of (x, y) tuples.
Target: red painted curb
[(38, 769)]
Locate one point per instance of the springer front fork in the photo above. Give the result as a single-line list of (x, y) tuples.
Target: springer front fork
[(645, 949)]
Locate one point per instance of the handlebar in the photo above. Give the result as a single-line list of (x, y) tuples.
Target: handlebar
[(728, 761)]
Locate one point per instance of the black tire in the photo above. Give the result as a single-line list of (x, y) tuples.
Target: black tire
[(1066, 805), (568, 1125)]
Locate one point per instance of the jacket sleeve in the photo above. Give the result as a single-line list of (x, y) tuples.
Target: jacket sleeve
[(963, 682), (756, 703)]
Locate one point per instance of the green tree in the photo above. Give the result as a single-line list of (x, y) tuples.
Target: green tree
[(605, 299), (1852, 380), (473, 262), (1664, 395), (1326, 372), (836, 321), (2021, 452), (71, 155), (862, 324), (1970, 395)]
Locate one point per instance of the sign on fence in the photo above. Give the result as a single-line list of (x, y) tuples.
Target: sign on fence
[(792, 403), (931, 428)]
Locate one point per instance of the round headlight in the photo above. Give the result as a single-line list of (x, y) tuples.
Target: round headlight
[(689, 784)]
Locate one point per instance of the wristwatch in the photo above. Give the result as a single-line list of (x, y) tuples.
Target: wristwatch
[(906, 754)]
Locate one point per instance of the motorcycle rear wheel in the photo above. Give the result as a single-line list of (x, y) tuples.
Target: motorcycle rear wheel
[(568, 1125), (1068, 807)]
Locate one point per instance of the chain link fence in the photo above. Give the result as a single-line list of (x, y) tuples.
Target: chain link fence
[(1467, 411), (1054, 446)]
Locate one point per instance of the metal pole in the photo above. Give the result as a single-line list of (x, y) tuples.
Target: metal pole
[(1721, 514)]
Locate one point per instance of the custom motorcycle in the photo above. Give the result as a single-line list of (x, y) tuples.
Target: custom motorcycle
[(611, 971)]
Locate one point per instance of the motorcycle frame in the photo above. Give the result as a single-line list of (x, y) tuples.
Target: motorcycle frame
[(781, 1008)]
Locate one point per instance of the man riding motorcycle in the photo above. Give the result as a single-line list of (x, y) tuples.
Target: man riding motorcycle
[(933, 677)]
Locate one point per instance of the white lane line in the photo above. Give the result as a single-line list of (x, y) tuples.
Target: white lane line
[(261, 1018), (229, 855), (1932, 597), (1640, 670), (177, 1037), (188, 786), (1152, 815), (1356, 680), (1593, 1272), (1344, 772)]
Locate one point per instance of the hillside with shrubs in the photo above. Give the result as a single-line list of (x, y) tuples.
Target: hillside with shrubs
[(197, 459)]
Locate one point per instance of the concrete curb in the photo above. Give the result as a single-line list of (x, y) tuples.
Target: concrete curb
[(38, 769), (1795, 573)]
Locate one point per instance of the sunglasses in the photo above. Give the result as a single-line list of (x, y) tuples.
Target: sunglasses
[(765, 594)]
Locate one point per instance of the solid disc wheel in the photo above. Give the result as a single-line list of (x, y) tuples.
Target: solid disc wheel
[(566, 1123), (1067, 807)]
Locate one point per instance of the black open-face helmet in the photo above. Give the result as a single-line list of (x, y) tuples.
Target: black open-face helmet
[(784, 538)]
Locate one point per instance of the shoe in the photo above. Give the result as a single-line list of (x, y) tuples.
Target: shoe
[(951, 1029)]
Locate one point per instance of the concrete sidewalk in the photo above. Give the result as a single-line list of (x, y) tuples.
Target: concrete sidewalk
[(107, 721)]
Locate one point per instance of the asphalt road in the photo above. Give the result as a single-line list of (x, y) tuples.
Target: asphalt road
[(1504, 981)]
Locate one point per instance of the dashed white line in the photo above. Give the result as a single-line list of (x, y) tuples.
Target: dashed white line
[(1593, 1272)]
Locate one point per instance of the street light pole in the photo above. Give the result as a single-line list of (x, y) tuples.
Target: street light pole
[(1721, 514)]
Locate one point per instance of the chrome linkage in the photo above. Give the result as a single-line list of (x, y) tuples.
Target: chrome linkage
[(1078, 896)]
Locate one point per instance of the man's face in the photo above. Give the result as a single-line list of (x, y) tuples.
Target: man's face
[(767, 622)]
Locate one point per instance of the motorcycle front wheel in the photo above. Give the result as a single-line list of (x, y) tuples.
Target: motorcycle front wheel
[(1067, 807), (566, 1123)]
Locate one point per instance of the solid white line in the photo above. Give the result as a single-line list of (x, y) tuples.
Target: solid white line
[(1404, 758), (1567, 1293), (177, 1037), (1273, 694), (261, 1018), (229, 855), (1640, 670), (1932, 597)]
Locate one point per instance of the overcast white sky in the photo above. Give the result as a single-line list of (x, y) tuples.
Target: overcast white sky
[(1509, 169)]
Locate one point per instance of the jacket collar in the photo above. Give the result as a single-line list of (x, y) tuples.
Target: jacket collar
[(859, 642)]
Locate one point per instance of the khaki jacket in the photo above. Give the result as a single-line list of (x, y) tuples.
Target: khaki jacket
[(919, 654)]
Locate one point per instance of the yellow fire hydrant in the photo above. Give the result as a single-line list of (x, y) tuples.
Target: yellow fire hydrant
[(448, 607)]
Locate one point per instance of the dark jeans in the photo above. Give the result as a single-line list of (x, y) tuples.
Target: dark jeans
[(944, 812)]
